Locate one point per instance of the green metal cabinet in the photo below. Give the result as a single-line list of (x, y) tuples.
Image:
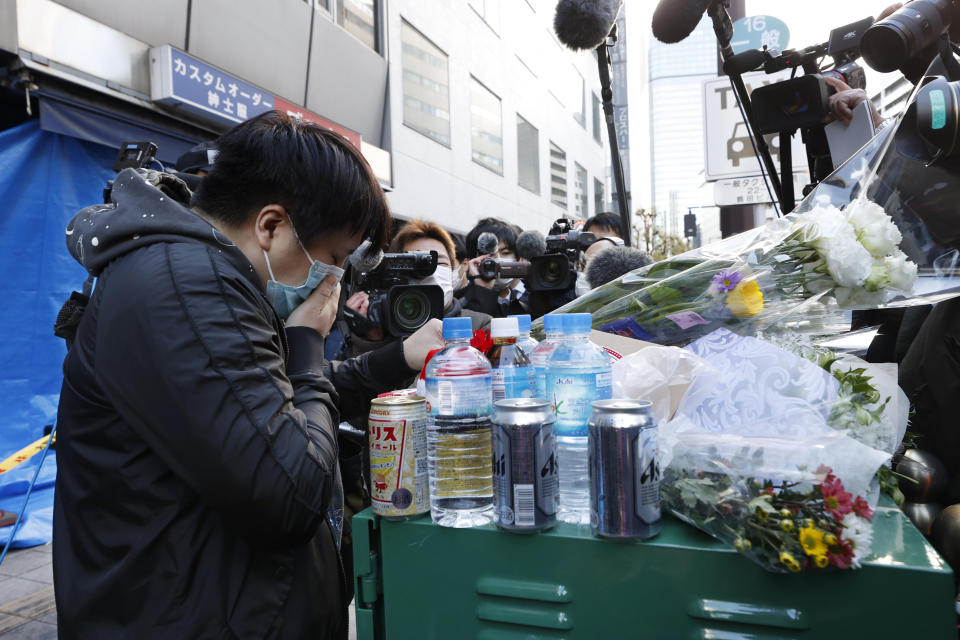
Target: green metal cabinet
[(418, 580)]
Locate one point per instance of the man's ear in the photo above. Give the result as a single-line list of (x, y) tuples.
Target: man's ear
[(269, 219)]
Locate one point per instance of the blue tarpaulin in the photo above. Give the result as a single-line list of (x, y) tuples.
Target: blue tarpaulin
[(45, 178)]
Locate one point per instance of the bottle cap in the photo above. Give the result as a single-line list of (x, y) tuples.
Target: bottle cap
[(455, 328), (553, 322), (577, 323), (504, 328), (524, 321)]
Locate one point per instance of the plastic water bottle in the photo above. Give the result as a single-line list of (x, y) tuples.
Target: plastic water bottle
[(578, 373), (513, 377), (553, 327), (527, 343), (459, 431)]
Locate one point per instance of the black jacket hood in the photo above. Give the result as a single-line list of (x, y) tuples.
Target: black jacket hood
[(146, 207)]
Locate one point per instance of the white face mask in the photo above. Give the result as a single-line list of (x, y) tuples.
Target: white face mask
[(443, 278), (583, 285)]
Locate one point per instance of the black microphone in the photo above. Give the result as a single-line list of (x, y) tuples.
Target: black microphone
[(674, 20), (585, 24), (740, 63), (610, 264), (531, 244), (487, 243)]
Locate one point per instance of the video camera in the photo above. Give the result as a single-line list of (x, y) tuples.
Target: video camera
[(396, 306), (800, 103), (553, 271)]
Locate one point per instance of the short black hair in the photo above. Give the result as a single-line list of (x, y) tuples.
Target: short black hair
[(605, 220), (318, 176), (500, 228)]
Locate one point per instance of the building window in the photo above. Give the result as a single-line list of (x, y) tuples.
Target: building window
[(597, 117), (426, 86), (558, 176), (359, 18), (489, 12), (486, 133), (528, 156), (599, 204), (580, 193)]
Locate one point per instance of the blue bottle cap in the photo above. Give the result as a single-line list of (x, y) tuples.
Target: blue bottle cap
[(553, 322), (456, 328), (523, 320), (577, 322)]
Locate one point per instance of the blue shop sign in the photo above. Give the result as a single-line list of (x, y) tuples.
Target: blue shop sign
[(179, 78)]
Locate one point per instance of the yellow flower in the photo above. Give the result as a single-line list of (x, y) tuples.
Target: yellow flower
[(746, 300), (790, 562), (830, 539), (762, 515), (742, 544), (812, 541), (821, 561), (786, 525)]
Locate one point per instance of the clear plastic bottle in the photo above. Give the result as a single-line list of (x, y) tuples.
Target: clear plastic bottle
[(578, 372), (459, 430), (553, 327), (513, 377), (527, 343)]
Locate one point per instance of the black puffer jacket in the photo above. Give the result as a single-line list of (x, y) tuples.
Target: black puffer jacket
[(196, 440)]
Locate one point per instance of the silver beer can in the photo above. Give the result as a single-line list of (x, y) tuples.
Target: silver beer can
[(624, 466), (525, 481)]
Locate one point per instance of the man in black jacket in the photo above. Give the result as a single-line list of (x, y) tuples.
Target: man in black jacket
[(198, 493)]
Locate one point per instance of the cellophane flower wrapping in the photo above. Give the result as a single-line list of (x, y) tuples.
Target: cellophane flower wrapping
[(882, 230), (761, 449)]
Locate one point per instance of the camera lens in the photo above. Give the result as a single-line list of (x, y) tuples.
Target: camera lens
[(411, 310), (893, 41), (552, 272)]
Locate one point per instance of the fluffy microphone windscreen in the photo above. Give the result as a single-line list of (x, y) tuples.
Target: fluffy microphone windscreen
[(531, 244), (674, 20), (610, 264), (585, 24)]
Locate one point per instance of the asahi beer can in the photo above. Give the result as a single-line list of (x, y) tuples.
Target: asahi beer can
[(398, 457), (624, 468), (525, 481)]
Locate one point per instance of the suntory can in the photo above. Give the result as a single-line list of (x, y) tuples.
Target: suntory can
[(398, 457)]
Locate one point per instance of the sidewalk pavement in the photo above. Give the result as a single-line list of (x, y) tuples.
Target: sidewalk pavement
[(27, 607)]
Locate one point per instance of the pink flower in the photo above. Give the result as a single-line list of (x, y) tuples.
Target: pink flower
[(826, 471), (836, 501), (861, 508), (841, 555)]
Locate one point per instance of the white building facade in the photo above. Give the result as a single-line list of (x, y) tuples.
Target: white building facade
[(490, 116)]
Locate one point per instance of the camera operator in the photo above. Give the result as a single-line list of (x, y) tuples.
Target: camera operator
[(419, 235), (501, 296), (198, 487)]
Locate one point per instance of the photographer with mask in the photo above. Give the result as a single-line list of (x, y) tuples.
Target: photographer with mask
[(198, 490), (419, 235), (499, 297)]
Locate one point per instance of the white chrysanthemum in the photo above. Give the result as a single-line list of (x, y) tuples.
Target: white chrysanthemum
[(825, 224), (903, 273), (848, 262), (879, 276), (874, 228), (859, 532)]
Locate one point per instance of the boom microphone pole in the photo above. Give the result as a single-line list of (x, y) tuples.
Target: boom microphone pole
[(616, 164), (592, 24)]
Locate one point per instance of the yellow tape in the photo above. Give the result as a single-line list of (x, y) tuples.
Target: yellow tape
[(24, 454)]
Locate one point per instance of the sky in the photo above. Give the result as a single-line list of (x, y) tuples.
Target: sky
[(810, 22)]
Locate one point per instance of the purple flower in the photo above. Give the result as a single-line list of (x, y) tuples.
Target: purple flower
[(726, 281)]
